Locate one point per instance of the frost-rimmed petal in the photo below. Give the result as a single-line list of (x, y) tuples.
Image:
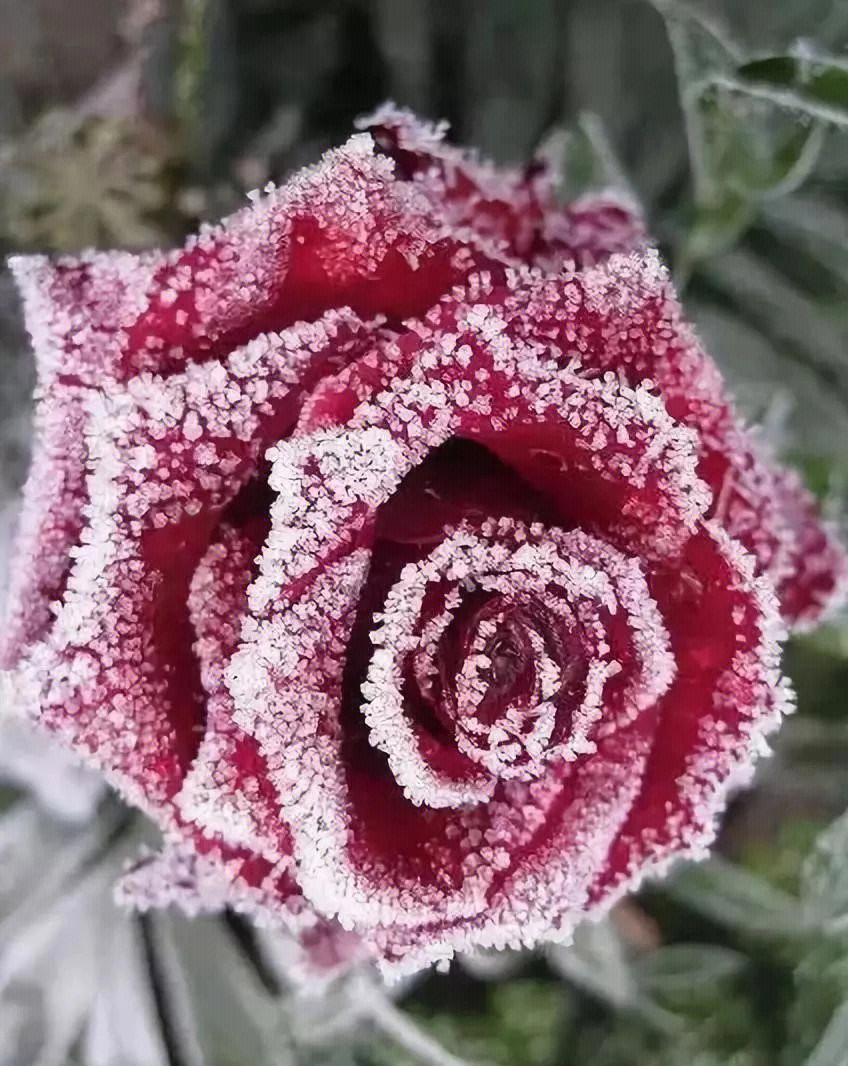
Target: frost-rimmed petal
[(201, 876), (630, 469), (622, 317), (116, 674), (344, 232), (705, 736), (49, 523), (226, 790), (72, 311), (426, 880), (517, 209), (718, 732)]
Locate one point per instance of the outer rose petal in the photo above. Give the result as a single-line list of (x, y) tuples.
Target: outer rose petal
[(518, 209), (622, 317), (207, 877), (201, 874), (716, 714), (166, 457), (115, 673), (50, 521), (72, 311), (345, 232)]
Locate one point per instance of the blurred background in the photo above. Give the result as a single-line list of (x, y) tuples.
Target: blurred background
[(125, 124)]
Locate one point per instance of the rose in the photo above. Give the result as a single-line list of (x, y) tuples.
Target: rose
[(396, 547)]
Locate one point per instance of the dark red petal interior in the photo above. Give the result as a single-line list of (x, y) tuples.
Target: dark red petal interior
[(312, 269), (705, 719), (228, 790)]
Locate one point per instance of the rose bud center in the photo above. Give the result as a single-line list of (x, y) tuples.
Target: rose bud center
[(500, 651), (508, 680)]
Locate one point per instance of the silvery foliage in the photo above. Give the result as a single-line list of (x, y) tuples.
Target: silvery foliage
[(83, 980)]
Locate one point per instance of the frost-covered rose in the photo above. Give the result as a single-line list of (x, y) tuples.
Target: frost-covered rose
[(395, 545)]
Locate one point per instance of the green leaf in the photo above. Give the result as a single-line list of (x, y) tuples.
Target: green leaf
[(207, 84), (522, 1021), (832, 1049), (795, 394), (824, 879), (583, 160), (742, 151), (714, 228), (815, 228), (777, 70), (700, 48), (798, 328), (596, 961), (222, 1016), (797, 99), (816, 80), (733, 897), (688, 977)]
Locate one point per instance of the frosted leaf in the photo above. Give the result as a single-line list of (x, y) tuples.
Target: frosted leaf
[(59, 921), (30, 760), (824, 885)]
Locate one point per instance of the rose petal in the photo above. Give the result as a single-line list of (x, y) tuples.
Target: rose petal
[(227, 790), (50, 521), (696, 746), (364, 851), (116, 672), (73, 311), (516, 209), (725, 632), (77, 311), (623, 318), (627, 472), (206, 878)]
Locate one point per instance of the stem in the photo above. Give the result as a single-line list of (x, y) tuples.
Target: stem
[(394, 1024), (703, 181), (785, 98), (800, 170)]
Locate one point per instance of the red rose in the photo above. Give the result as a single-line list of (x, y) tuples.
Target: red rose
[(396, 547)]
